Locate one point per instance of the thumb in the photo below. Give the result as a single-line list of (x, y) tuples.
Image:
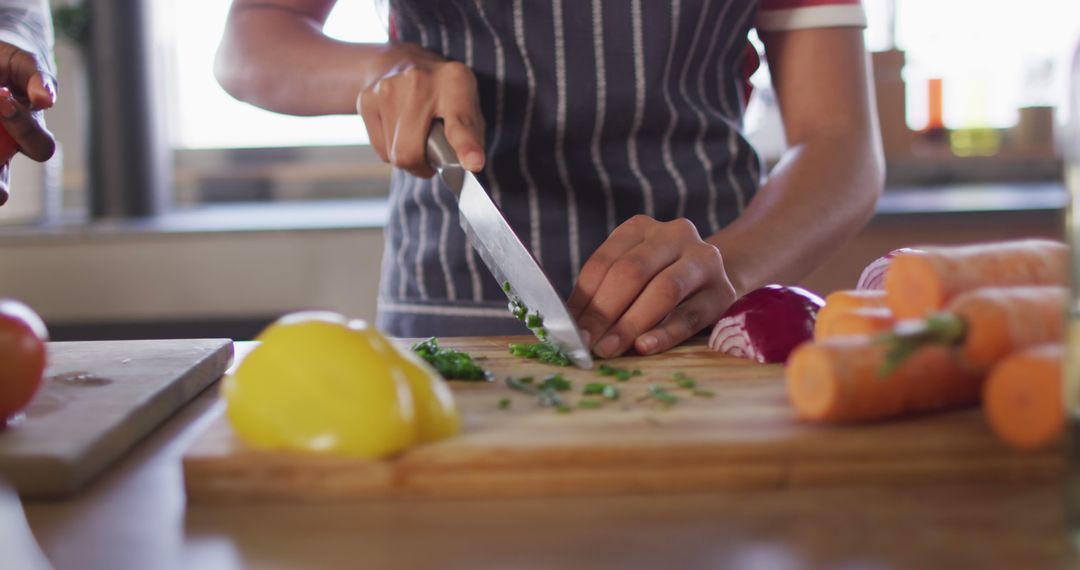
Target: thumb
[(42, 91), (466, 140)]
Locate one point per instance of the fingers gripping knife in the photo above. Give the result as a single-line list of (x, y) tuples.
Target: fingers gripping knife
[(502, 251)]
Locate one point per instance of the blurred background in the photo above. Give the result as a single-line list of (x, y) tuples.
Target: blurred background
[(260, 213)]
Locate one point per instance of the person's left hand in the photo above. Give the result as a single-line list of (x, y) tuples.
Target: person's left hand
[(650, 285)]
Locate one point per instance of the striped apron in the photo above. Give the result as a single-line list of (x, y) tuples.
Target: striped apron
[(596, 110)]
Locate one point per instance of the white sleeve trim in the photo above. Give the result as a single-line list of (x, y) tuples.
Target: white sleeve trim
[(847, 16)]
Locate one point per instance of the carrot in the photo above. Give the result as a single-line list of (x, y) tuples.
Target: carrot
[(1000, 321), (921, 281), (845, 301), (1023, 398), (987, 324), (837, 381), (866, 321)]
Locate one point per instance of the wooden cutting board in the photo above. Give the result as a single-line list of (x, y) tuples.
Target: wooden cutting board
[(745, 436), (99, 399)]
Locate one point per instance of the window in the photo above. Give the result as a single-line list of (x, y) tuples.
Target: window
[(993, 57), (206, 117), (231, 151)]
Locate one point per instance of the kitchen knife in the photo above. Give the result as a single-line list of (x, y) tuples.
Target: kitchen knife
[(502, 251)]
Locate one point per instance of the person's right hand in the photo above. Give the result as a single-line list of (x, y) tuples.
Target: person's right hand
[(26, 89), (399, 107)]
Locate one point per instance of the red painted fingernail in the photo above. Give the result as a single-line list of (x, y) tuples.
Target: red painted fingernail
[(607, 346)]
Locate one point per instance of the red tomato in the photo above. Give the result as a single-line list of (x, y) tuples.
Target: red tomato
[(22, 357)]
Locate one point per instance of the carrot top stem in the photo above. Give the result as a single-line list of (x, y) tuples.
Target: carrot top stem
[(909, 336)]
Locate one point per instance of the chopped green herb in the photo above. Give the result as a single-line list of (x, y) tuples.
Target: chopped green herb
[(545, 393), (543, 352), (555, 382), (563, 408), (594, 388), (684, 381), (504, 403), (534, 321), (620, 374), (590, 404), (611, 392), (521, 385), (451, 364), (518, 309), (549, 398), (704, 393), (661, 395)]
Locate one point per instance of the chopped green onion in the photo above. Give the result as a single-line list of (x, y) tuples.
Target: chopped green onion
[(687, 383), (504, 403), (521, 385), (555, 382), (611, 392), (594, 389), (620, 374), (590, 404), (563, 408), (534, 321), (506, 286), (704, 393), (544, 352), (661, 395), (451, 364)]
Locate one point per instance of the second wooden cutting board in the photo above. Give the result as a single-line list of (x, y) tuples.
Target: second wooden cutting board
[(744, 436)]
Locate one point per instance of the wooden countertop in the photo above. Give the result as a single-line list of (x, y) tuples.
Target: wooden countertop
[(135, 517)]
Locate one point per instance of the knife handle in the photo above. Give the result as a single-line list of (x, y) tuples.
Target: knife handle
[(439, 152)]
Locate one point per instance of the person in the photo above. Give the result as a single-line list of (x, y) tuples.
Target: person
[(609, 134), (27, 80)]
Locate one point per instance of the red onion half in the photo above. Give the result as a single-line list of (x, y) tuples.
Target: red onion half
[(873, 277), (767, 324)]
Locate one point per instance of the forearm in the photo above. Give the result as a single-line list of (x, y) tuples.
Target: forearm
[(820, 195), (280, 60)]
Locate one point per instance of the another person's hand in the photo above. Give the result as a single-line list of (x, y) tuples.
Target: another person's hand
[(650, 285), (26, 89), (398, 110)]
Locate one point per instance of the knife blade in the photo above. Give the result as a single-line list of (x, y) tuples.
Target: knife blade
[(502, 252)]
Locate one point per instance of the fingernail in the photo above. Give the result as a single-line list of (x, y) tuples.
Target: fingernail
[(7, 107), (474, 160), (585, 337), (607, 346), (647, 343)]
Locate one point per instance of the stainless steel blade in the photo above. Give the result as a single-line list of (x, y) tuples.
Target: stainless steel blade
[(503, 253)]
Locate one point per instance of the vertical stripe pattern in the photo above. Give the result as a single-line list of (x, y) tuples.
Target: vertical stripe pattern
[(639, 108), (560, 140), (601, 115), (669, 162), (523, 142), (594, 111)]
